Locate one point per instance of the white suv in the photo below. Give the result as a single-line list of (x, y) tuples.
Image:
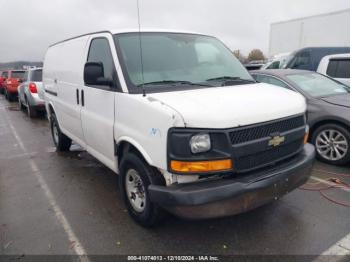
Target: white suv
[(179, 119), (336, 66)]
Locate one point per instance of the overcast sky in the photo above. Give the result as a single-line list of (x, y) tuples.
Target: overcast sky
[(27, 27)]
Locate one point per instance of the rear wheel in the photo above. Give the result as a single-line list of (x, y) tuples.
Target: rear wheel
[(7, 95), (31, 111), (20, 105), (332, 142), (135, 177), (61, 141), (10, 97)]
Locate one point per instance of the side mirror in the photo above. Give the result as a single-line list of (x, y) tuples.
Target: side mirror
[(94, 75)]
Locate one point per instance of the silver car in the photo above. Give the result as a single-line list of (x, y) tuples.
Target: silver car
[(31, 93)]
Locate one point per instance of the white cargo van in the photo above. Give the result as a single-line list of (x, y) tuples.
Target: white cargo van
[(179, 119)]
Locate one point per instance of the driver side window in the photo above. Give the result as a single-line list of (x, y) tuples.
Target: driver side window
[(100, 52)]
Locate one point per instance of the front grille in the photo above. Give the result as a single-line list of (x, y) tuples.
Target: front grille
[(265, 130), (263, 158)]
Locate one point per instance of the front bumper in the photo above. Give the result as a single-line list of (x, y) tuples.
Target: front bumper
[(226, 197)]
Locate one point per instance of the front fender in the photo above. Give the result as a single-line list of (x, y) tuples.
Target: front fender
[(135, 144)]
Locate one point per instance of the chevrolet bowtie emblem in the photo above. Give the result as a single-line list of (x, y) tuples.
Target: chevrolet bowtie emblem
[(277, 140)]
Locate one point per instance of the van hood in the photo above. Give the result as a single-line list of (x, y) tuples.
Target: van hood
[(233, 106)]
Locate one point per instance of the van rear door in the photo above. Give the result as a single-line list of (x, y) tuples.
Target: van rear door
[(97, 113)]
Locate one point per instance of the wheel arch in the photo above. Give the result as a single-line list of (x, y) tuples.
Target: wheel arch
[(50, 109), (322, 122), (25, 97), (126, 144)]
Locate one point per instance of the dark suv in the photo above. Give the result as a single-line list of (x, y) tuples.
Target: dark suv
[(309, 58)]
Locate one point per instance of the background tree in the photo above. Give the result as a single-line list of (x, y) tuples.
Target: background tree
[(238, 54), (256, 54)]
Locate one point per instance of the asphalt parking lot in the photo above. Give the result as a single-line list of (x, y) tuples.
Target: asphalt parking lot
[(62, 204)]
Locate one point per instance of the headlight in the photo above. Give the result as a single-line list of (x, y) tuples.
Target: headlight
[(200, 143)]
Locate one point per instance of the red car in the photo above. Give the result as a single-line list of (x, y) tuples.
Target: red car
[(2, 80), (13, 80)]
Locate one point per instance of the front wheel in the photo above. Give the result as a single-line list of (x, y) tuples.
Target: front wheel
[(332, 143), (61, 141), (135, 178)]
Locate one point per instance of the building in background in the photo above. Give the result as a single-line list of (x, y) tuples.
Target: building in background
[(323, 30)]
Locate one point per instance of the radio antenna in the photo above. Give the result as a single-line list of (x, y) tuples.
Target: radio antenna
[(141, 53)]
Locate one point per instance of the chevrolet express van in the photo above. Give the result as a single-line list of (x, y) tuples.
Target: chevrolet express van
[(180, 120)]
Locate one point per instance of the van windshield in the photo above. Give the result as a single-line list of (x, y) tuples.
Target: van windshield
[(174, 60)]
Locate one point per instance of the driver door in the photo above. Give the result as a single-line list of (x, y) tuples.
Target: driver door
[(97, 102)]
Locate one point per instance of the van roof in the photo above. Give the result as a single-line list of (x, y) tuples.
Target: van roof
[(151, 30), (133, 30)]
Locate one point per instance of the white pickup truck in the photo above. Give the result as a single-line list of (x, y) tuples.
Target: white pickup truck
[(179, 119), (336, 66)]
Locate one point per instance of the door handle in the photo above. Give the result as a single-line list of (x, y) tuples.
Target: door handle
[(78, 96), (82, 98)]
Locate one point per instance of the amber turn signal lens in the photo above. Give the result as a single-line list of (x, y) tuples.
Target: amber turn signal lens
[(201, 166), (306, 138)]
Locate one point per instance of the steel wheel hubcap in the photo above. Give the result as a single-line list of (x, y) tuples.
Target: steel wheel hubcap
[(135, 190), (332, 145)]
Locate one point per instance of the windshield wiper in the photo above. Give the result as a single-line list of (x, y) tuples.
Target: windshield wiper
[(174, 82), (228, 79)]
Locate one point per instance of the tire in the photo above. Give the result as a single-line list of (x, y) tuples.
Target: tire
[(10, 97), (20, 105), (332, 142), (150, 214), (7, 95), (61, 141), (31, 111)]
